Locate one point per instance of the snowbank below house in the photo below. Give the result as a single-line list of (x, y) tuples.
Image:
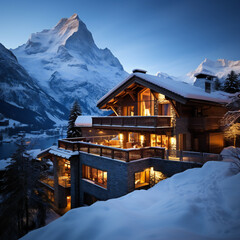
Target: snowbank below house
[(199, 204)]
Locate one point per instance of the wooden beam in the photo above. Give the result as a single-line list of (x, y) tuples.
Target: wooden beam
[(155, 94), (174, 107), (114, 110), (130, 92)]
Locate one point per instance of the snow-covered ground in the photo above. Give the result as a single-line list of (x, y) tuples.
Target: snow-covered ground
[(199, 204)]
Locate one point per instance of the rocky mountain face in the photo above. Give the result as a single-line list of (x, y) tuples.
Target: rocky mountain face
[(69, 66), (22, 99)]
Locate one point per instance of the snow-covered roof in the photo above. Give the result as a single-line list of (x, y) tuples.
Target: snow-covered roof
[(59, 152), (62, 152), (83, 121), (180, 88)]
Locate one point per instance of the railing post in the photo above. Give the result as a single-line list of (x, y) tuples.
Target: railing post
[(88, 149), (100, 151), (127, 156), (112, 153), (181, 155), (121, 121), (167, 154), (202, 156), (141, 151), (155, 155)]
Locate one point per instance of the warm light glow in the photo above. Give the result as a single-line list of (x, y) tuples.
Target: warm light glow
[(147, 112), (173, 140), (161, 98), (142, 140), (100, 132), (90, 130), (121, 137), (68, 197)]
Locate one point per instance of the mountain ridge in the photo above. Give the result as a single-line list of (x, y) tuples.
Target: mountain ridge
[(21, 98)]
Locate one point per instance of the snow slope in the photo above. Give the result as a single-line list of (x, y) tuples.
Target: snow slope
[(199, 204), (220, 68), (68, 65)]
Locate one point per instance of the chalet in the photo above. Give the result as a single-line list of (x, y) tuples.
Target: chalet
[(155, 123)]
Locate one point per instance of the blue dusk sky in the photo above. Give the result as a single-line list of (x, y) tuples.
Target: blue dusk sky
[(172, 36)]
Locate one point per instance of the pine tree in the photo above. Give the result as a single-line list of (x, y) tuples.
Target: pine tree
[(72, 130), (232, 84), (22, 198)]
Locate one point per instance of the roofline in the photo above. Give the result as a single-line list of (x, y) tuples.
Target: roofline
[(196, 74), (136, 79)]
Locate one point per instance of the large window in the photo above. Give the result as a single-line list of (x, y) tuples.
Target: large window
[(97, 176), (159, 141), (142, 178), (148, 178), (128, 111), (64, 173), (164, 107), (146, 103)]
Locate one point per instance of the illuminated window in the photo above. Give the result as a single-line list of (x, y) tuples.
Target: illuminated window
[(64, 173), (148, 178), (128, 111), (159, 140), (146, 103), (142, 178), (96, 175)]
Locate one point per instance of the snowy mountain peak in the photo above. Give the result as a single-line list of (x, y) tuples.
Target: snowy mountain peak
[(70, 32), (220, 68), (67, 63)]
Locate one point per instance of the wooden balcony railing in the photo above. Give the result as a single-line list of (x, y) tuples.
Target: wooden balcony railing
[(205, 123), (111, 152), (132, 121)]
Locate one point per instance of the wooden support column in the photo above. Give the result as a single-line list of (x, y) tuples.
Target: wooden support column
[(174, 107), (75, 183)]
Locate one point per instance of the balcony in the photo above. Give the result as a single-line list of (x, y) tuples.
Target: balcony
[(125, 155), (133, 122)]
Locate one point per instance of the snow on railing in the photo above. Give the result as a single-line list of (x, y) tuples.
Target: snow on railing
[(112, 152), (190, 156)]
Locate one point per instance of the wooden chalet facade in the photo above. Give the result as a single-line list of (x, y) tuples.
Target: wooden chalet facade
[(152, 116)]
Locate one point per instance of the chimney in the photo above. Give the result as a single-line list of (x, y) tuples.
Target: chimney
[(205, 81), (139, 71)]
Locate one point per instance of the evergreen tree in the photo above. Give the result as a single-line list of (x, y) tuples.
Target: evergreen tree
[(232, 84), (23, 201), (74, 113)]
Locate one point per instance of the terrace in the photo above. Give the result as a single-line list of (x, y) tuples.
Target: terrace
[(96, 146), (133, 122)]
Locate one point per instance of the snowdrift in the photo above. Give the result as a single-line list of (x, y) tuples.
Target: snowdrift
[(199, 204)]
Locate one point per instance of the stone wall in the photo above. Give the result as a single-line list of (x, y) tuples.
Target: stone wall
[(120, 175)]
